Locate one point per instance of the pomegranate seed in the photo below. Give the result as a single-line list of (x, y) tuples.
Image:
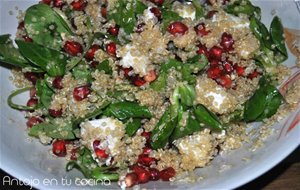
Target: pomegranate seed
[(21, 25), (58, 3), (200, 29), (32, 77), (140, 28), (216, 52), (146, 160), (32, 121), (73, 48), (202, 50), (27, 38), (138, 81), (55, 113), (177, 28), (210, 14), (214, 72), (103, 12), (147, 135), (114, 30), (47, 2), (57, 83), (144, 176), (225, 81), (131, 179), (150, 77), (94, 64), (147, 150), (253, 75), (240, 71), (167, 173), (156, 11), (59, 148), (32, 102), (79, 5), (154, 174), (126, 71), (81, 92), (111, 48), (227, 67), (74, 154), (96, 144), (227, 41), (32, 92), (101, 153), (158, 2), (214, 62), (90, 54)]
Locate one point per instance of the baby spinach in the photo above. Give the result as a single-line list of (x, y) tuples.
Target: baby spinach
[(51, 61), (244, 7), (82, 72), (264, 103), (104, 66), (44, 92), (168, 17), (208, 118), (45, 26), (276, 31), (199, 9), (132, 126), (126, 110), (16, 106)]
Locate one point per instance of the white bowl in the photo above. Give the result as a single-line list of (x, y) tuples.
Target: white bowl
[(30, 162)]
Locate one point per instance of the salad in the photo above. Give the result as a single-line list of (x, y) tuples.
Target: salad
[(144, 90)]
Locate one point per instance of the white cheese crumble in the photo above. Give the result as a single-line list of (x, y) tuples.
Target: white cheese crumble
[(218, 99), (186, 11)]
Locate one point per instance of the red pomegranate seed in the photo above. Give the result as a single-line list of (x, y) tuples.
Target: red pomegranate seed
[(55, 113), (96, 143), (58, 3), (240, 71), (101, 153), (227, 41), (210, 14), (227, 65), (200, 29), (114, 30), (131, 179), (138, 81), (32, 102), (47, 2), (140, 28), (216, 52), (103, 12), (154, 174), (253, 75), (146, 160), (21, 25), (74, 152), (32, 77), (147, 135), (73, 48), (126, 71), (79, 5), (81, 92), (90, 54), (59, 148), (214, 72), (156, 11), (111, 48), (147, 150), (214, 62), (33, 121), (32, 92), (158, 2), (57, 83), (144, 176), (177, 28), (202, 50), (151, 76), (94, 64), (27, 38), (167, 173), (137, 168), (224, 81)]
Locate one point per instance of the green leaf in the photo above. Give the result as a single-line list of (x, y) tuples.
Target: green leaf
[(277, 32), (132, 126), (199, 9), (126, 110), (187, 94), (104, 66), (168, 17), (44, 92), (160, 83), (244, 7), (16, 106), (45, 26), (82, 72), (4, 38), (208, 118), (53, 130), (51, 61)]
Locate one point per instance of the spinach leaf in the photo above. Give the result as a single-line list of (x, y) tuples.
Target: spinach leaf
[(126, 110), (168, 17), (244, 7), (16, 106), (187, 94), (132, 126), (276, 31), (199, 9), (208, 118), (51, 61), (82, 72), (53, 130), (104, 66), (44, 92), (45, 26), (160, 83)]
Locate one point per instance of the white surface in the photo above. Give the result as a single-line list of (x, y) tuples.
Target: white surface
[(29, 160)]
